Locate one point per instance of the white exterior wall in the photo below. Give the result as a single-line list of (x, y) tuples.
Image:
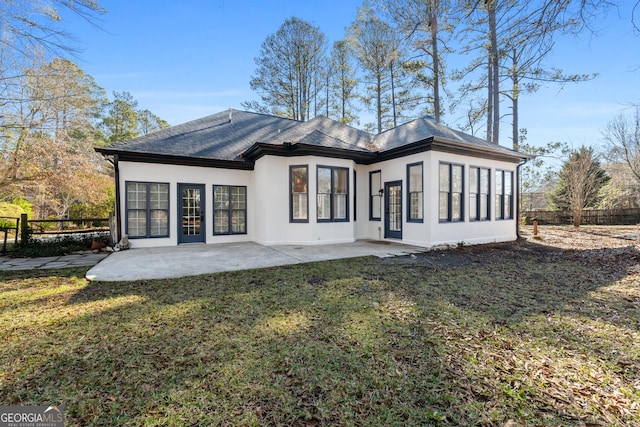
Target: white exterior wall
[(468, 232), (268, 211), (272, 187), (173, 174)]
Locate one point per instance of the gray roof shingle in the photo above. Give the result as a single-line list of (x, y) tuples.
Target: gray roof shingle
[(212, 137), (228, 134)]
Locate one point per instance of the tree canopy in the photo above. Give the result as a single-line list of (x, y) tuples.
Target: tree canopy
[(289, 77), (579, 182)]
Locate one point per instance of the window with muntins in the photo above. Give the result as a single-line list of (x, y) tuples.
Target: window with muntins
[(450, 206), (375, 195), (229, 209), (479, 201), (332, 197), (147, 208), (504, 194), (415, 194), (299, 196)]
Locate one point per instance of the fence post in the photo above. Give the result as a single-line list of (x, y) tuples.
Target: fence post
[(24, 229)]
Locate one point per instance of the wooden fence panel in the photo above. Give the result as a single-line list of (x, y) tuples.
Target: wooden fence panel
[(629, 216)]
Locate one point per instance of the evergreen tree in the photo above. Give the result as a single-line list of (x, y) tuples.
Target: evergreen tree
[(579, 182), (291, 71)]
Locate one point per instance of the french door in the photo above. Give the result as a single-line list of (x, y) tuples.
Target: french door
[(191, 213), (393, 210)]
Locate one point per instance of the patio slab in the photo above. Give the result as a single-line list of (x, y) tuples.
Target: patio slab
[(189, 260)]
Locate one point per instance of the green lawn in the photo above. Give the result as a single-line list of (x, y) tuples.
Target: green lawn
[(515, 334)]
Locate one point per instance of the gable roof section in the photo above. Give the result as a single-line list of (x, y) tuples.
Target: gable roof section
[(235, 139)]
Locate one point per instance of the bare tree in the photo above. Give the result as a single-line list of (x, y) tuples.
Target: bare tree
[(514, 39), (30, 26), (623, 135)]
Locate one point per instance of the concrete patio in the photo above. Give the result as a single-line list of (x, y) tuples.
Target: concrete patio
[(189, 260)]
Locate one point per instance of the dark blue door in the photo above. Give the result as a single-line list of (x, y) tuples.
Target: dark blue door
[(393, 210), (191, 213)]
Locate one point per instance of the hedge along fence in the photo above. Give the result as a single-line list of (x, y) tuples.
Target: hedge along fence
[(628, 216), (25, 228)]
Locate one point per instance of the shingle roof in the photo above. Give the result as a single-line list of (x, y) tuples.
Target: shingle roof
[(211, 137), (423, 128), (227, 135)]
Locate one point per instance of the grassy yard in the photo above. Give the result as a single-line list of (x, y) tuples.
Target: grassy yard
[(528, 333)]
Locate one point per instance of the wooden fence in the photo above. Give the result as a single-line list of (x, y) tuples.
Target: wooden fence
[(7, 225), (20, 229), (630, 216)]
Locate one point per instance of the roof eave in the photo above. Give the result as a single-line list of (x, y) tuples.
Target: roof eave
[(453, 147), (166, 159), (288, 149)]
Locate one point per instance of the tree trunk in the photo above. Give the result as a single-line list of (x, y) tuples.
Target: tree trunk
[(393, 95), (494, 76), (514, 101), (489, 101), (433, 22), (577, 217), (379, 102)]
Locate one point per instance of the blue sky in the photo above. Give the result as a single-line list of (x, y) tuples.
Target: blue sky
[(187, 59)]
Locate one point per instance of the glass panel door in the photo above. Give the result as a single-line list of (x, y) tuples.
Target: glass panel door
[(393, 210), (191, 227)]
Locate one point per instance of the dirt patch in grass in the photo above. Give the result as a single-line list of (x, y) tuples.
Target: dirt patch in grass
[(536, 332)]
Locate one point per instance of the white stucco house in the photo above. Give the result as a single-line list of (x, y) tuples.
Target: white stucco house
[(240, 176)]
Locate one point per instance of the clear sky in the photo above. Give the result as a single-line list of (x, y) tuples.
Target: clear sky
[(187, 59)]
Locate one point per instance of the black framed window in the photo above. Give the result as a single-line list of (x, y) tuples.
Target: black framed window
[(299, 193), (504, 194), (355, 195), (229, 209), (479, 195), (147, 208), (333, 194), (450, 203), (415, 195), (375, 195)]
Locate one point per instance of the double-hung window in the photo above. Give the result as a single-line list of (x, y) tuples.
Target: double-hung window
[(504, 194), (451, 188), (375, 195), (298, 195), (147, 208), (479, 201), (333, 197), (415, 194), (229, 209)]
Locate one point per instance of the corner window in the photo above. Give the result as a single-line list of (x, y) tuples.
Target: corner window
[(229, 209), (504, 194), (451, 186), (415, 193), (333, 197), (479, 197), (298, 196), (147, 208), (375, 195)]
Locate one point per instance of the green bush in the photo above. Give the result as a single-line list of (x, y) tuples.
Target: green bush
[(10, 210), (26, 205), (62, 245)]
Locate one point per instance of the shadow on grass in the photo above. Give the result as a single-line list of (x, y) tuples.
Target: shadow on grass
[(451, 338)]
